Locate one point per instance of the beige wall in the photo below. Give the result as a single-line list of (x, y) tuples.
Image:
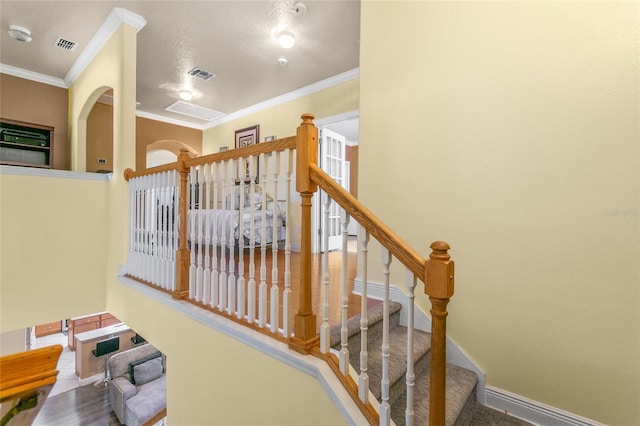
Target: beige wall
[(13, 341), (39, 103), (519, 124), (53, 245), (213, 376), (282, 120), (151, 131), (100, 137)]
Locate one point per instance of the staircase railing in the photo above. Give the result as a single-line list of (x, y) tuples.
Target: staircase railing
[(437, 273), (208, 230)]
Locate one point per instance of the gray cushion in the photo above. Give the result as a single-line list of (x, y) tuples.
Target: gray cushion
[(147, 371)]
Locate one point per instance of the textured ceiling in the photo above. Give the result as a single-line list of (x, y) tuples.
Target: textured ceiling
[(233, 39)]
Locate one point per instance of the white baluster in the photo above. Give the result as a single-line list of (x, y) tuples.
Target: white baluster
[(231, 280), (215, 283), (363, 380), (275, 291), (344, 330), (206, 284), (175, 197), (241, 285), (222, 300), (262, 288), (385, 408), (162, 255), (251, 290), (325, 329), (286, 295), (192, 232), (410, 282), (200, 231)]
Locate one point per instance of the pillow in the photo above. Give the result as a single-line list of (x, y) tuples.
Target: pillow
[(146, 369), (254, 199)]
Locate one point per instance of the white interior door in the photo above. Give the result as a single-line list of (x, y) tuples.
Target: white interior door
[(332, 161)]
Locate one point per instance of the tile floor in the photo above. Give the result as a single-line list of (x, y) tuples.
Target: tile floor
[(67, 378)]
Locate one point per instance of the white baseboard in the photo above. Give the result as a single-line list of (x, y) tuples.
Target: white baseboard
[(532, 411), (422, 321)]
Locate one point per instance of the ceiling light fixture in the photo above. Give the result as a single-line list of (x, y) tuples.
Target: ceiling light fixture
[(185, 95), (286, 40), (282, 62), (20, 33)]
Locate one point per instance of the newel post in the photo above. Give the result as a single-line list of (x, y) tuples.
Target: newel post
[(305, 336), (439, 288), (183, 254)]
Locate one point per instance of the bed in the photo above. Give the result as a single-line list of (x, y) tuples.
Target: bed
[(231, 226)]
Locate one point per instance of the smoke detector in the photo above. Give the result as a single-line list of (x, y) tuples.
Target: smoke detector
[(20, 33)]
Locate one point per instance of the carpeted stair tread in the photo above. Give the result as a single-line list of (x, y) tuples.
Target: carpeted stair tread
[(374, 316), (397, 356), (461, 384), (481, 415)]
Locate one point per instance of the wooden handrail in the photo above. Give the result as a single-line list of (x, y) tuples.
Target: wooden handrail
[(400, 249), (130, 173), (26, 378), (257, 149), (26, 371), (246, 151), (436, 273)]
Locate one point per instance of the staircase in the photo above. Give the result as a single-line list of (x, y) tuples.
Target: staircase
[(461, 406)]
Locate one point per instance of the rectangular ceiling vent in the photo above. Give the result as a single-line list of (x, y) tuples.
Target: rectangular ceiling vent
[(201, 74), (66, 44), (191, 110)]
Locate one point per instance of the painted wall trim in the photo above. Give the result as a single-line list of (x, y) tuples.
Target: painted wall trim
[(307, 90), (117, 17), (32, 75), (533, 411), (53, 173), (276, 349)]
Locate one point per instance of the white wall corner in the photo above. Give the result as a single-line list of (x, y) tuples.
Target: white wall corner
[(533, 411)]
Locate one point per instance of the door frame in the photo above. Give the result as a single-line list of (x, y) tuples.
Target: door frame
[(316, 216)]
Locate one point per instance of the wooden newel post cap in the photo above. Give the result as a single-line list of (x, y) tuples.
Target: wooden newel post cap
[(307, 118), (439, 271), (128, 173)]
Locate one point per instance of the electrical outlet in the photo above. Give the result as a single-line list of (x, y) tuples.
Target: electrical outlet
[(102, 161)]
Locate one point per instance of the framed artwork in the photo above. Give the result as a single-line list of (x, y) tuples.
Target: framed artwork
[(248, 136), (269, 138)]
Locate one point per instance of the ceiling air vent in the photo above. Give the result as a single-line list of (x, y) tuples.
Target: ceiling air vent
[(201, 74), (66, 44), (194, 111)]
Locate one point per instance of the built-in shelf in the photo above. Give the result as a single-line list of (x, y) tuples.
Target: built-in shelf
[(25, 144)]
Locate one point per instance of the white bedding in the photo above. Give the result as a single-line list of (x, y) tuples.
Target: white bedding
[(214, 226)]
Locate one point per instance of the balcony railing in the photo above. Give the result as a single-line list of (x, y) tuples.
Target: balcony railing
[(216, 231)]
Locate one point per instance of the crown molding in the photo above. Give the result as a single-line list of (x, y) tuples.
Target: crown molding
[(32, 75), (307, 90), (117, 17)]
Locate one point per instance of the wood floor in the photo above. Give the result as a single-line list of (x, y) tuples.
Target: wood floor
[(88, 405), (81, 406)]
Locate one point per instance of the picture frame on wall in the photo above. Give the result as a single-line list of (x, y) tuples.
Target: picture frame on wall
[(248, 136)]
